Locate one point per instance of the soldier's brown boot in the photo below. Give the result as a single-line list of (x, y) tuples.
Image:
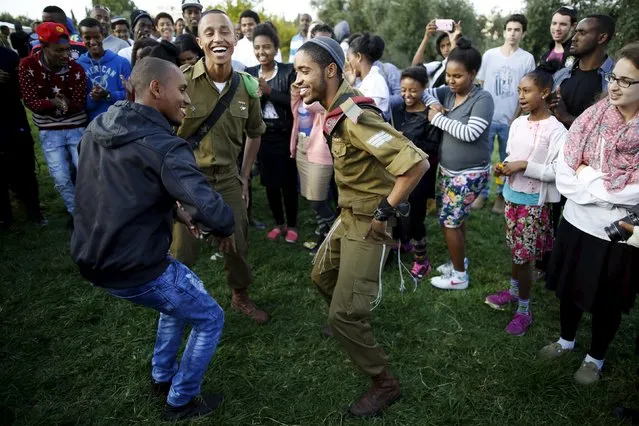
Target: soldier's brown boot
[(383, 393), (242, 303)]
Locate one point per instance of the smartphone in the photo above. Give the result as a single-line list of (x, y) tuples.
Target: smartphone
[(445, 25)]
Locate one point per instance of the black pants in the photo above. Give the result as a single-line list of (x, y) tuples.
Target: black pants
[(287, 193), (17, 173), (556, 209), (605, 323)]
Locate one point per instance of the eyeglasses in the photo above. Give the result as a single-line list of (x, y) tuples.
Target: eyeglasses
[(99, 6), (622, 82)]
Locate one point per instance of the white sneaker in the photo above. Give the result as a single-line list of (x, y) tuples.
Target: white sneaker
[(454, 281), (447, 268)]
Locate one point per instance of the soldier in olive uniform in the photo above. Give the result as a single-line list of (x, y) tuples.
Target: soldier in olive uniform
[(218, 147), (376, 168)]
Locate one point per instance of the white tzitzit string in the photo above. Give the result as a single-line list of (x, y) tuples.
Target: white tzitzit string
[(400, 265), (378, 299), (326, 244)]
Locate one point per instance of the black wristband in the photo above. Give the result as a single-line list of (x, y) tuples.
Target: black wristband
[(383, 211)]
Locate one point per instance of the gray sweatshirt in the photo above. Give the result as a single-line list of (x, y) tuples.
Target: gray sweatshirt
[(465, 142)]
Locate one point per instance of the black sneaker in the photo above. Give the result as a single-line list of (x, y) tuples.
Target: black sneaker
[(200, 406), (160, 389)]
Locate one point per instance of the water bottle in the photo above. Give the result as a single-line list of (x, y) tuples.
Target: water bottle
[(305, 120)]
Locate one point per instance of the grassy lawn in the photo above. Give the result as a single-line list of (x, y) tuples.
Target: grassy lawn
[(73, 355)]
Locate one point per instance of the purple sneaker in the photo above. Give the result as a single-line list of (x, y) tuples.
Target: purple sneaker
[(520, 324), (500, 300), (421, 269)]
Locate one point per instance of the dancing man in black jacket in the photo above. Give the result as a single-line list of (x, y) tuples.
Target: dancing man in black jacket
[(132, 171)]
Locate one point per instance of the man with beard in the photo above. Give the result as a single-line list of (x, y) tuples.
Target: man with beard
[(578, 86), (217, 143), (110, 42), (104, 70), (142, 25), (123, 228), (300, 38), (192, 13), (376, 168)]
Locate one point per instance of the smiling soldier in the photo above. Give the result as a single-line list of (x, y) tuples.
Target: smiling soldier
[(226, 105)]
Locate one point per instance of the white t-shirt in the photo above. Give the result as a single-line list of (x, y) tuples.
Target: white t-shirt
[(435, 70), (126, 53), (245, 53), (374, 86), (501, 75)]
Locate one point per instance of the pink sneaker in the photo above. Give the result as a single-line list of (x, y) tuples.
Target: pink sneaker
[(274, 233), (291, 236), (519, 324), (500, 300), (421, 269)]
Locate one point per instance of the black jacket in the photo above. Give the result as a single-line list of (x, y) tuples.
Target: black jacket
[(554, 66), (132, 169), (278, 129), (416, 127)]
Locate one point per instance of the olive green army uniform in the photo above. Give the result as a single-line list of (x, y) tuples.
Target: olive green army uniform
[(368, 155), (217, 157)]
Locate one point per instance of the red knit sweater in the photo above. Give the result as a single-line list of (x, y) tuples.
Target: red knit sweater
[(39, 85)]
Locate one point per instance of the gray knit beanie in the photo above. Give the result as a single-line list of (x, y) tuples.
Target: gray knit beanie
[(332, 47)]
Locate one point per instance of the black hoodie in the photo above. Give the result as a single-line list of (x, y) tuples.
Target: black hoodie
[(132, 169)]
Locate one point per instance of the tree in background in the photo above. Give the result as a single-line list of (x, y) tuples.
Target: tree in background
[(401, 23), (23, 20), (117, 7), (285, 29)]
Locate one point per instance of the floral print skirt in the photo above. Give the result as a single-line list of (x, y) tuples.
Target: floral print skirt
[(528, 231)]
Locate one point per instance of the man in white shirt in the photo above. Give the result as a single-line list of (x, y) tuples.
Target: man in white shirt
[(302, 37), (501, 70), (244, 52), (110, 42)]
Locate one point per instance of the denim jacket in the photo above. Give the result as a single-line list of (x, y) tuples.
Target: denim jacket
[(566, 73)]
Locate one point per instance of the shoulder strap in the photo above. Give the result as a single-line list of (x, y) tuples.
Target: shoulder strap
[(349, 107), (222, 105)]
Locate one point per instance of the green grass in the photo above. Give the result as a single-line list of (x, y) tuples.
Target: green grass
[(73, 355)]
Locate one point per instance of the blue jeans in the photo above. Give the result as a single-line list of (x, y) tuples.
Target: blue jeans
[(60, 148), (501, 131), (180, 297)]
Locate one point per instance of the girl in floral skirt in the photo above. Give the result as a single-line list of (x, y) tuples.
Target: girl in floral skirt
[(533, 147)]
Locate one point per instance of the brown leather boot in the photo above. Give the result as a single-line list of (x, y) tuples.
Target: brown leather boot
[(383, 393), (242, 303)]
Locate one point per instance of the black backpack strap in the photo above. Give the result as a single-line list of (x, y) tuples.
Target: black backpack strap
[(222, 105)]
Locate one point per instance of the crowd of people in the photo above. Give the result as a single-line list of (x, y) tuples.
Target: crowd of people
[(148, 158)]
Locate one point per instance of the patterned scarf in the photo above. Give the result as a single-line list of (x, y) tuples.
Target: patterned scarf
[(618, 158)]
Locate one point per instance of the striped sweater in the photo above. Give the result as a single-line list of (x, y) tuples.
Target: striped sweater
[(39, 86), (465, 143)]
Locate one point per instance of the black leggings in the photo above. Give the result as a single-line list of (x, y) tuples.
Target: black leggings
[(605, 323), (288, 193)]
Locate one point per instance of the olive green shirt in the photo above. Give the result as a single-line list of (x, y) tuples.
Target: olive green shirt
[(223, 143), (368, 156)]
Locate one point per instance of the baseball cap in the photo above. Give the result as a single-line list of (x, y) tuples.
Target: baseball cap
[(52, 32), (138, 14), (191, 3)]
